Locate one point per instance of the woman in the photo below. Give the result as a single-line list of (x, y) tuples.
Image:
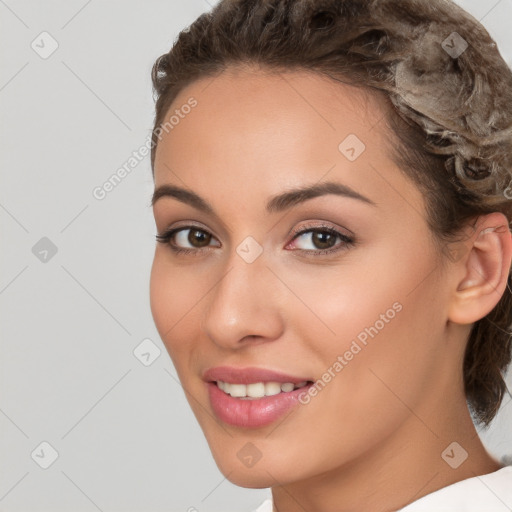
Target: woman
[(331, 280)]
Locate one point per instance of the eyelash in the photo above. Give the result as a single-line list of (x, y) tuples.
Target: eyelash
[(347, 241)]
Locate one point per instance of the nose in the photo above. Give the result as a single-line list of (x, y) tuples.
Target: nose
[(245, 306)]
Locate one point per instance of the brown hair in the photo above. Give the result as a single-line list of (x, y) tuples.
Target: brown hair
[(449, 94)]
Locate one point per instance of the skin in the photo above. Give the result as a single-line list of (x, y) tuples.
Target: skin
[(375, 434)]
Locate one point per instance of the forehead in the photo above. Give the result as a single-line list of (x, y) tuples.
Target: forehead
[(274, 92), (247, 103), (252, 128)]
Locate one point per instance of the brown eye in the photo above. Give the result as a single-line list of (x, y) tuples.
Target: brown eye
[(198, 238), (321, 240), (189, 239)]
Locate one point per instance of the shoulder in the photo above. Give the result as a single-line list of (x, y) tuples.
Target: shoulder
[(266, 506), (491, 492)]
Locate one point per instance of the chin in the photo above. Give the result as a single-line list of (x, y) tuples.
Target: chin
[(253, 482), (250, 478), (260, 474)]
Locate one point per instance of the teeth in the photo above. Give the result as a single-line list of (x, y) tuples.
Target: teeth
[(272, 388), (258, 389), (236, 389)]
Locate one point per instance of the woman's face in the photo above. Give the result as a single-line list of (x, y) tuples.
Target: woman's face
[(356, 303)]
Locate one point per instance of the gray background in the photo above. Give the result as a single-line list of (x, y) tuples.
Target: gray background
[(125, 437)]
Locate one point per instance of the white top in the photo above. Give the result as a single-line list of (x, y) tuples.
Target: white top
[(484, 493)]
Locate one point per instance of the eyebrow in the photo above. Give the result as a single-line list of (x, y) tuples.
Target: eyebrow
[(276, 203)]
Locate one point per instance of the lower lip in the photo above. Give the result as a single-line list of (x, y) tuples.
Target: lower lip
[(252, 413)]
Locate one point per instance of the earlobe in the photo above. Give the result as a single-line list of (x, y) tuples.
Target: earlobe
[(486, 268)]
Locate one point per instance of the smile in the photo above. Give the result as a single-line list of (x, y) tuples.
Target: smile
[(252, 397), (257, 390)]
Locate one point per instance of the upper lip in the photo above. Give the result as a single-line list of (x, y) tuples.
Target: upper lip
[(248, 375)]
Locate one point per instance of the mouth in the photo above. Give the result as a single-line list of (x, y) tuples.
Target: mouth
[(252, 397), (259, 390)]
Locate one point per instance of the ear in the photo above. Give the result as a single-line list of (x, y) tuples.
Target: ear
[(484, 265)]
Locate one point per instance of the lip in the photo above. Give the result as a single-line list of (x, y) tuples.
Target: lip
[(251, 413), (248, 375)]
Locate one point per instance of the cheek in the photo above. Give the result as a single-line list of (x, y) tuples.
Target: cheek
[(172, 300), (356, 301), (159, 295), (374, 329), (385, 371)]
